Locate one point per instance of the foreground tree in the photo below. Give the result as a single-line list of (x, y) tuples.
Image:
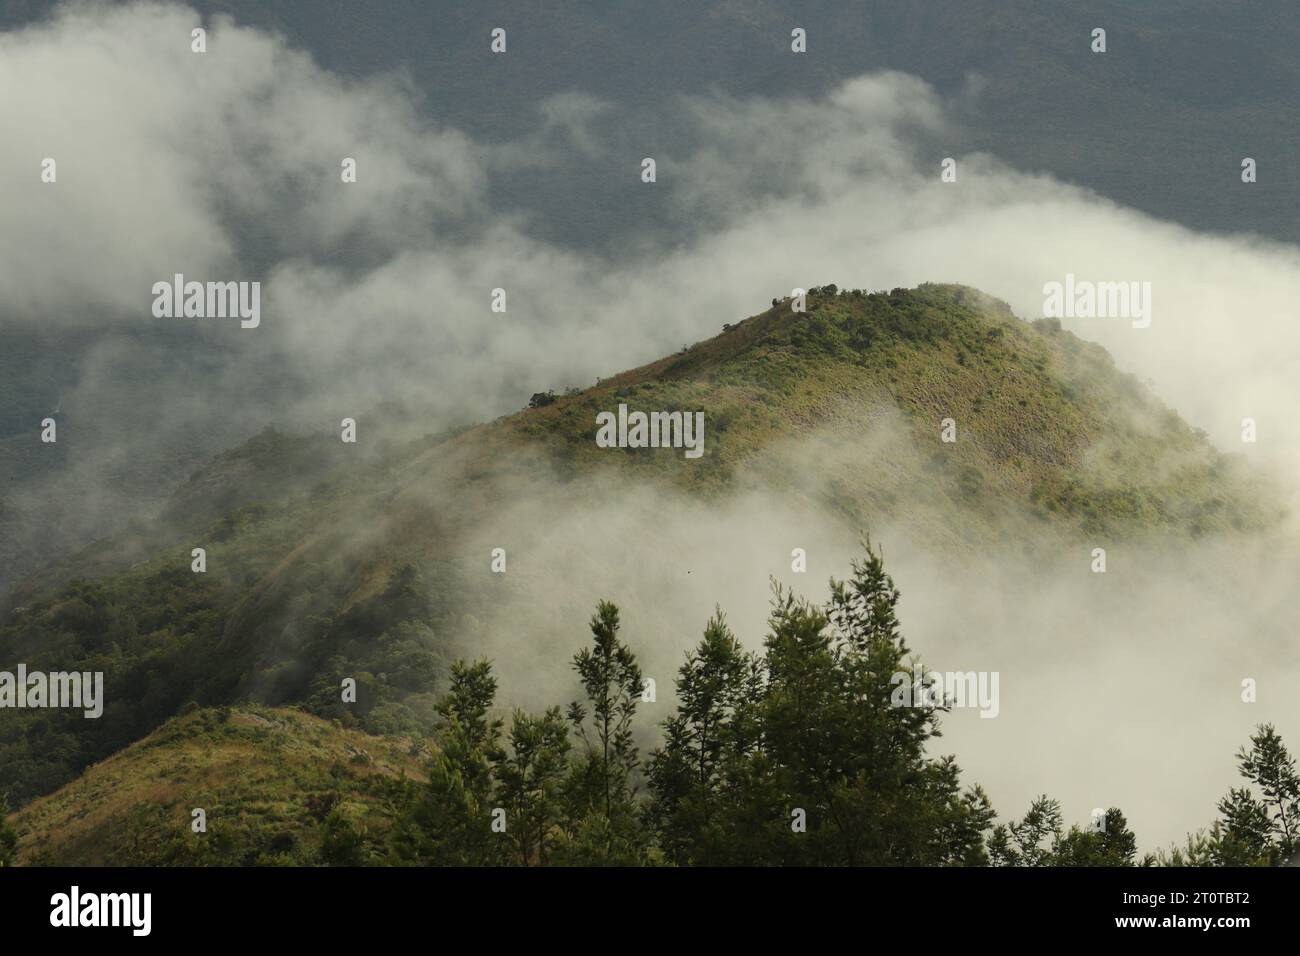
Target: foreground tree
[(1252, 830), (530, 778), (450, 822), (803, 754), (1199, 849), (1263, 830), (605, 824), (1114, 844), (1030, 840), (713, 731), (810, 760)]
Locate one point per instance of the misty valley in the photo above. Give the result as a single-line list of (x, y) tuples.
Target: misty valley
[(746, 436), (302, 618)]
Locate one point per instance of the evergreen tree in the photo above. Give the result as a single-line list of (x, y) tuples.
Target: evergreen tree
[(450, 822), (467, 704), (1032, 840), (1269, 766), (601, 783), (805, 736), (342, 844), (809, 758), (925, 817), (1199, 849), (1251, 831), (1113, 845), (1247, 830), (530, 778), (853, 753), (716, 689), (959, 820)]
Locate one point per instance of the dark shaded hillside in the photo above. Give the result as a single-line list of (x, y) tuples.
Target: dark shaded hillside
[(327, 560)]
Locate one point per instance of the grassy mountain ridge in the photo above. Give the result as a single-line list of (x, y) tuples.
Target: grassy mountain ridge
[(267, 780), (325, 564), (1043, 417)]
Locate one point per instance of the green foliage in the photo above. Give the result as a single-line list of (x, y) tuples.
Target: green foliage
[(450, 821), (1031, 840), (8, 836), (1199, 849), (1112, 845), (342, 843), (612, 680), (1245, 830), (706, 742), (1262, 830), (809, 730), (531, 779), (1037, 840), (158, 635), (600, 783), (822, 736), (385, 644), (810, 725)]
